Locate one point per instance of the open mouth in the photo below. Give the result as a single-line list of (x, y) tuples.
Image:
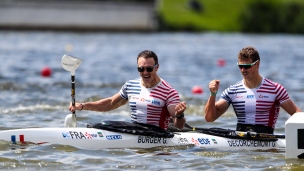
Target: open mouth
[(146, 77)]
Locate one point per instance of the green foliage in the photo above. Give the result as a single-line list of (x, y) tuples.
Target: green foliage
[(271, 17), (220, 15), (259, 16)]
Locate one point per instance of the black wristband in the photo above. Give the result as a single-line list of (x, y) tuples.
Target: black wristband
[(180, 116)]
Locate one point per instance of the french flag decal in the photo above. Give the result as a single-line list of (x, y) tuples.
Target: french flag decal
[(14, 139)]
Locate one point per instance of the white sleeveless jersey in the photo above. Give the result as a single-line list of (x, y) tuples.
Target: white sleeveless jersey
[(256, 106), (149, 105)]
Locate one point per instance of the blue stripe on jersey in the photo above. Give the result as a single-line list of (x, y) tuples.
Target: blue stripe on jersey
[(239, 108), (132, 105), (131, 87), (133, 92), (238, 105)]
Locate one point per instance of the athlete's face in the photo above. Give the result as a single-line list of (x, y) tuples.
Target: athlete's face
[(249, 69), (147, 70)]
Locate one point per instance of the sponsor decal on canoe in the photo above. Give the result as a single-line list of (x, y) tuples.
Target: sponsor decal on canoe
[(114, 137), (194, 141), (100, 134), (183, 141), (204, 141), (151, 140), (251, 143), (201, 141), (214, 141), (79, 135)]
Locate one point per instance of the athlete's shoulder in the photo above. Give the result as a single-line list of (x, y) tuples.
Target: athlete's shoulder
[(237, 85), (233, 89), (266, 80), (166, 84), (133, 81), (271, 83)]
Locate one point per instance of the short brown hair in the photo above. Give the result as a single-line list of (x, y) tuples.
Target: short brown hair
[(249, 53), (148, 54)]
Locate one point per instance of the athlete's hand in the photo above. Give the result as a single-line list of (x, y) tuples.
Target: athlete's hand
[(180, 108), (214, 85), (78, 106)]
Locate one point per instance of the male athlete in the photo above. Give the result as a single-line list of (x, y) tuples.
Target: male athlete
[(256, 100)]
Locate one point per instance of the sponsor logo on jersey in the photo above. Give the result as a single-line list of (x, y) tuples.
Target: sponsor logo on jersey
[(261, 96), (156, 102), (144, 100), (133, 97), (250, 96)]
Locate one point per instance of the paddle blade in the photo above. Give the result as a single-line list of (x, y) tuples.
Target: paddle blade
[(70, 63), (70, 121)]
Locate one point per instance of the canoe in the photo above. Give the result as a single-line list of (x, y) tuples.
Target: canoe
[(95, 139), (205, 138)]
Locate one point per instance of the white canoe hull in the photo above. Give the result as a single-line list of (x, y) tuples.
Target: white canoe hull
[(95, 139)]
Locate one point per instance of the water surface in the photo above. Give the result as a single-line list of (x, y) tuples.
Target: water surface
[(109, 59)]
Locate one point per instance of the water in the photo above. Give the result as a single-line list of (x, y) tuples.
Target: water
[(109, 59)]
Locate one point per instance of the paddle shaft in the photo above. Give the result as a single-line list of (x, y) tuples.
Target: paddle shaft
[(73, 91), (239, 133)]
